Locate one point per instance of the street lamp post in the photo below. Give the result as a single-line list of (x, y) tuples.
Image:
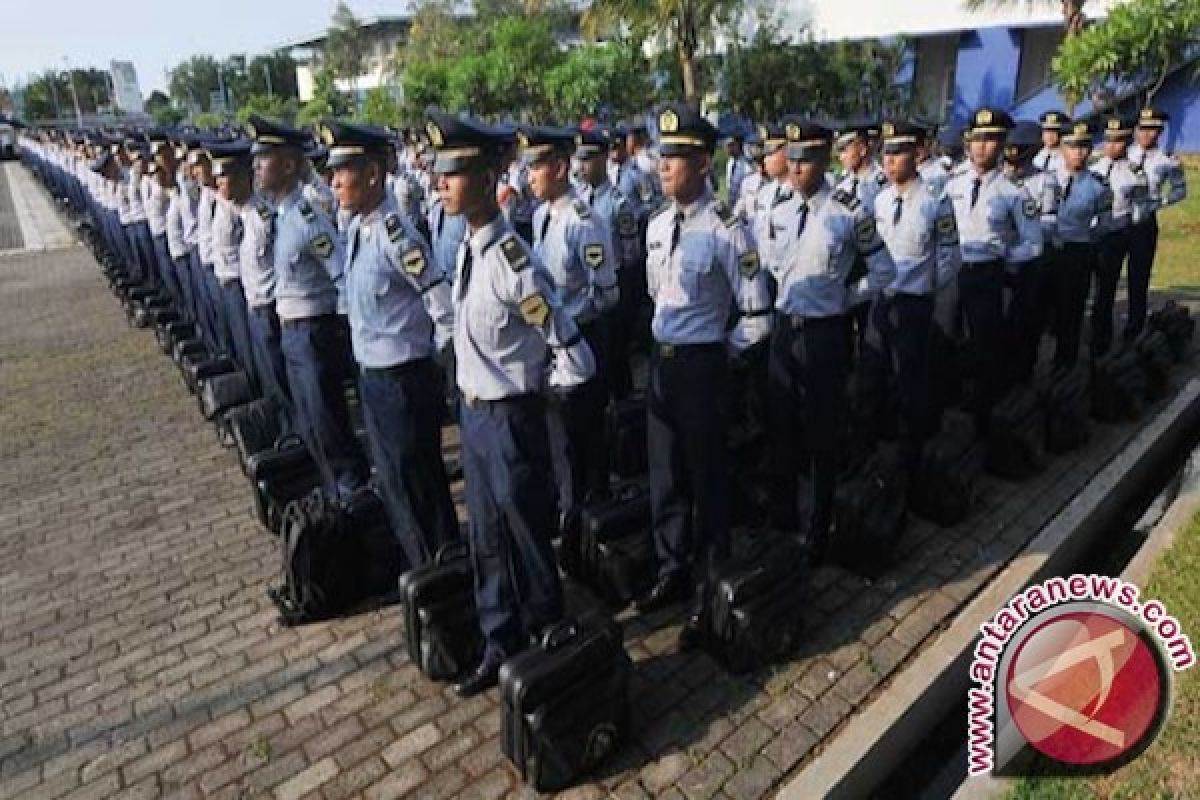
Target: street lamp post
[(74, 94)]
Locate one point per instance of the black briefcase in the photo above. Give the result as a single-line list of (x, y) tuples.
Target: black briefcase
[(1176, 323), (1067, 401), (255, 428), (1118, 386), (171, 333), (441, 628), (565, 702), (1154, 353), (616, 556), (190, 346), (945, 486), (279, 476), (223, 392), (870, 510), (202, 366), (627, 437), (754, 604), (1016, 436)]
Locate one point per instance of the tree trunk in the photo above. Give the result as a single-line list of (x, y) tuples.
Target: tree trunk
[(1074, 20), (687, 69)]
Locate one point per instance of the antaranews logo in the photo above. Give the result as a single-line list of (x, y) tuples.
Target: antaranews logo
[(1079, 669)]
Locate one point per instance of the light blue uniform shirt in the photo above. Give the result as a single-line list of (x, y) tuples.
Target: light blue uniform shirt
[(1003, 224), (1044, 189), (1085, 210), (227, 240), (1164, 176), (258, 251), (205, 210), (448, 232), (398, 299), (1130, 191), (618, 213), (511, 337), (865, 184), (831, 230), (934, 173), (308, 260), (700, 266), (923, 240), (574, 246)]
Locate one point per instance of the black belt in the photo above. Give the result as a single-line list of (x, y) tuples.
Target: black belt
[(677, 350), (480, 404), (398, 370), (799, 322), (296, 323)]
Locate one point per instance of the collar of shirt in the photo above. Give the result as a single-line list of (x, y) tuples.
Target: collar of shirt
[(484, 237), (293, 198), (696, 207)]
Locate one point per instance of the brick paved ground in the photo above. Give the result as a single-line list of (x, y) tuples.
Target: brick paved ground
[(139, 656)]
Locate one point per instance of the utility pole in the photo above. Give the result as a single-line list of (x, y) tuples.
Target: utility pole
[(267, 72)]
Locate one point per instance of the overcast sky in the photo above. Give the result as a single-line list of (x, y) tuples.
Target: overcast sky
[(157, 34)]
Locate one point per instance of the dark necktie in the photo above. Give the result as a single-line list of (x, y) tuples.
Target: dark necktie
[(896, 211), (545, 227), (676, 231), (464, 274), (1067, 188), (801, 220), (975, 191), (441, 219)]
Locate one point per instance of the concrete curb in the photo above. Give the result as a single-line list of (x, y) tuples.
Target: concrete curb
[(875, 742), (41, 227)]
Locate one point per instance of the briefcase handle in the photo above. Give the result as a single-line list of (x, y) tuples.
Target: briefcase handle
[(451, 550), (288, 439), (558, 634)]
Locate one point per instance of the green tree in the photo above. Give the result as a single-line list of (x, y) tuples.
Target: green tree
[(1137, 45), (273, 106), (425, 84), (611, 79), (344, 44), (326, 101), (1074, 18), (193, 82), (208, 119), (380, 108), (273, 73), (683, 26)]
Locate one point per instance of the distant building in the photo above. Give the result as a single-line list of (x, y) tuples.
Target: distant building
[(126, 93)]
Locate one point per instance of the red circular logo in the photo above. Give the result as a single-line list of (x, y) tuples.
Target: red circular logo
[(1085, 688)]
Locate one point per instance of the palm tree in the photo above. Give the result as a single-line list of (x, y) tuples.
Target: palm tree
[(1074, 20), (684, 25)]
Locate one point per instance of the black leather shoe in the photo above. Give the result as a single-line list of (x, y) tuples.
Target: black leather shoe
[(483, 678), (669, 590), (692, 634)]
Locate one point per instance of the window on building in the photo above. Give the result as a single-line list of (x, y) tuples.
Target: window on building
[(1038, 47), (933, 78)]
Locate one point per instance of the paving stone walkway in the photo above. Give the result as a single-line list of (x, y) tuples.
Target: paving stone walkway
[(139, 656)]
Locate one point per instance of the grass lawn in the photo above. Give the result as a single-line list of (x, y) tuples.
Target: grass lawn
[(1177, 266), (1170, 767)]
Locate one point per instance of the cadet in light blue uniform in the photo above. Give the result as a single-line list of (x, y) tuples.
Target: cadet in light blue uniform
[(916, 223), (609, 205), (234, 175), (309, 281), (1084, 216), (1166, 184), (513, 343), (1050, 157), (999, 224), (1025, 315), (818, 290), (574, 246), (1130, 204), (258, 286), (159, 178), (737, 168), (703, 274), (400, 315)]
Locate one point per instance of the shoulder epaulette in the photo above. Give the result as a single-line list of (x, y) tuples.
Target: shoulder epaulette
[(726, 214), (846, 199), (394, 228), (582, 209), (264, 210), (881, 178), (306, 211), (514, 255)]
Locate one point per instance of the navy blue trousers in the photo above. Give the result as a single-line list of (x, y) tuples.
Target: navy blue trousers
[(506, 466), (318, 362), (981, 295), (403, 408), (267, 349), (686, 438), (237, 331), (1143, 244), (1110, 261), (166, 271)]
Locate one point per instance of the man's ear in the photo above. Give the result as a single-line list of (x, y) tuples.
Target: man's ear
[(704, 163)]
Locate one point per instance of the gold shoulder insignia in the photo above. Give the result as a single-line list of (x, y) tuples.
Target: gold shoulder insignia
[(322, 245), (534, 310)]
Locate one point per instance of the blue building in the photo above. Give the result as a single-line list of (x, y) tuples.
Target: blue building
[(1009, 66)]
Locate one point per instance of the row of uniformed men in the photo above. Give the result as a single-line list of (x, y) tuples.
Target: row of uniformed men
[(700, 262)]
